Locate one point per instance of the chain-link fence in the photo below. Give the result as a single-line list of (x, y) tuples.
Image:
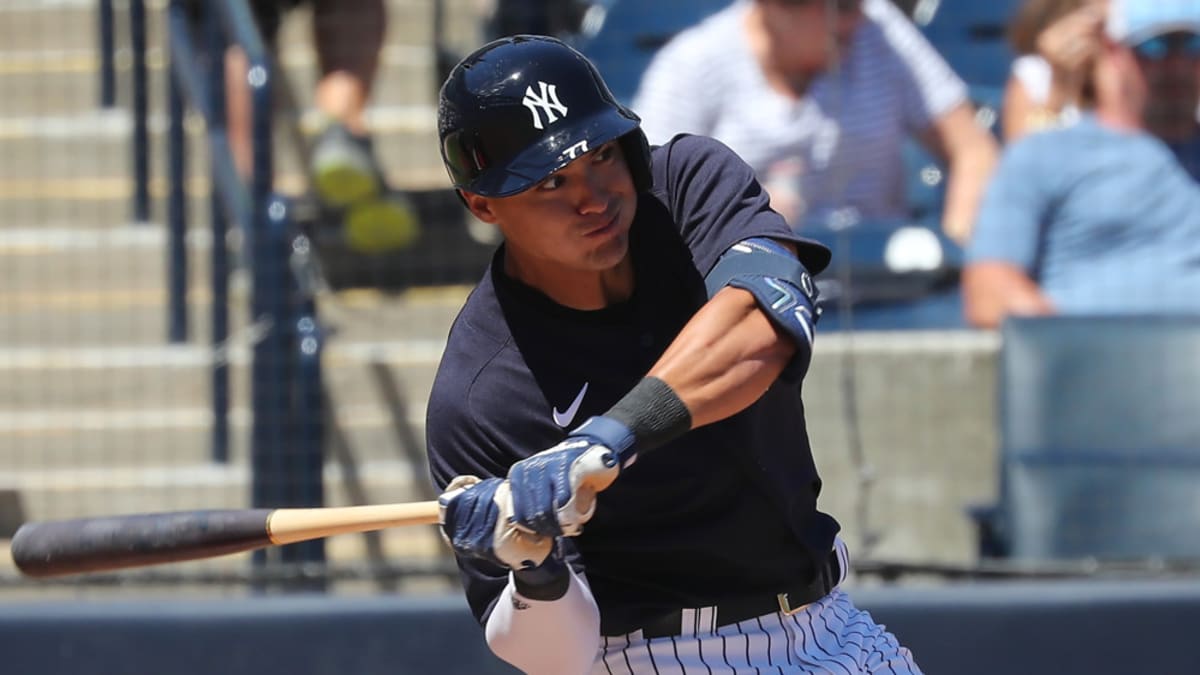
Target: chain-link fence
[(201, 312)]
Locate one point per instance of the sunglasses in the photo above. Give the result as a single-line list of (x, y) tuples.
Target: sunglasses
[(1157, 48)]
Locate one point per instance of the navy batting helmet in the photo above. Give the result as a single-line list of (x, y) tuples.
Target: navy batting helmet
[(520, 108)]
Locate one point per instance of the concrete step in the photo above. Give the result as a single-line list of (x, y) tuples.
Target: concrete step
[(70, 82), (47, 494), (111, 260), (40, 25), (30, 26), (123, 380), (97, 204), (130, 438), (101, 299), (92, 152)]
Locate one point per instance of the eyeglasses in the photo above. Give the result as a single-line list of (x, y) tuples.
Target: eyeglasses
[(1157, 48)]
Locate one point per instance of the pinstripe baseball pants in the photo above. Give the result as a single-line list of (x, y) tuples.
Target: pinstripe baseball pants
[(830, 636)]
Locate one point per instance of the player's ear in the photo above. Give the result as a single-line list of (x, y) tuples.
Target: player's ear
[(480, 206)]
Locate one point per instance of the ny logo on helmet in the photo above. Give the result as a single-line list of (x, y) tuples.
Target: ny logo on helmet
[(547, 102)]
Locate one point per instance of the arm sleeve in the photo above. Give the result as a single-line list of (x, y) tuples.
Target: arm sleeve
[(1014, 207), (670, 98), (936, 89), (560, 637)]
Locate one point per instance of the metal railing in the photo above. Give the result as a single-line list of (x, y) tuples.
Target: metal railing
[(286, 444)]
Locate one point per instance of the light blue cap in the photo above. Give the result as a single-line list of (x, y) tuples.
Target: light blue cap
[(1132, 21)]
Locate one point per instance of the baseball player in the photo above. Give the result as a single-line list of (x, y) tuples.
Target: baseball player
[(616, 421)]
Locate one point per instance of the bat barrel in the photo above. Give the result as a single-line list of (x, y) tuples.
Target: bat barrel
[(60, 547)]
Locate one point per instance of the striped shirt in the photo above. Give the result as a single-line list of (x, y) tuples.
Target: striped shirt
[(841, 144)]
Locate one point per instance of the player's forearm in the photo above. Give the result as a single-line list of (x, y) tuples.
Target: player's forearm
[(725, 358), (559, 637)]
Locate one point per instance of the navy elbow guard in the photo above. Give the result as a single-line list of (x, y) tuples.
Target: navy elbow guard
[(782, 287)]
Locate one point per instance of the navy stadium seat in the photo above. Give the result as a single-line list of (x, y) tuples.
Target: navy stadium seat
[(1100, 440), (889, 275), (631, 31), (971, 36)]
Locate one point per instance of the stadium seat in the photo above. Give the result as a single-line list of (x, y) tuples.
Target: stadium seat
[(888, 275), (971, 36), (1100, 440), (626, 33)]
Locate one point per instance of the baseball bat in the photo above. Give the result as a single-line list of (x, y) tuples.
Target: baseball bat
[(61, 547)]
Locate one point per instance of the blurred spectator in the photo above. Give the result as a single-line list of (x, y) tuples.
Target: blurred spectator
[(1055, 42), (343, 167), (1098, 216), (818, 96)]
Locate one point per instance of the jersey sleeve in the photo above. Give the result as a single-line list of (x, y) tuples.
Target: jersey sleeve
[(1017, 202), (936, 88), (716, 201)]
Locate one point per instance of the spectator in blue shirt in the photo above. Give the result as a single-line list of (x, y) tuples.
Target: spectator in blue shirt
[(1100, 217)]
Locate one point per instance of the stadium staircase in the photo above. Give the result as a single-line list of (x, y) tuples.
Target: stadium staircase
[(99, 413)]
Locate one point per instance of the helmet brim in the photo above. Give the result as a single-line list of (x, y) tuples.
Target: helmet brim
[(553, 152)]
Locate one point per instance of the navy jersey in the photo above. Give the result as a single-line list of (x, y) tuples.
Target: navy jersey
[(725, 510)]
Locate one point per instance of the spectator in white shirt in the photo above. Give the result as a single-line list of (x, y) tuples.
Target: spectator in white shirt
[(818, 96), (1056, 42)]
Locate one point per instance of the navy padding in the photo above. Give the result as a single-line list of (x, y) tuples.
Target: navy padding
[(757, 263)]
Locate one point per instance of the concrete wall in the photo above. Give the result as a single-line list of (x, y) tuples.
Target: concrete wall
[(1051, 628), (919, 409)]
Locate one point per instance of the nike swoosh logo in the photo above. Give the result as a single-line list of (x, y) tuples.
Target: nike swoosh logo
[(564, 418)]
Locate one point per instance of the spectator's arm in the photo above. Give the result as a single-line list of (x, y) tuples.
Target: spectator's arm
[(939, 113), (970, 151), (1018, 111), (1001, 276), (993, 290)]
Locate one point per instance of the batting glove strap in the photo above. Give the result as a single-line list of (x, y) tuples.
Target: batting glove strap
[(651, 412), (554, 491), (610, 433)]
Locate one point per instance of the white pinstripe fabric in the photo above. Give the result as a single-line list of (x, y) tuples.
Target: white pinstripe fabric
[(841, 143), (830, 636)]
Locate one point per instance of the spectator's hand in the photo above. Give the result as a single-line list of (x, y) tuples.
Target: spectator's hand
[(476, 520), (554, 491), (1070, 45)]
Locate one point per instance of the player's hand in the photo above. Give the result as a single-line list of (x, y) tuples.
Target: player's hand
[(554, 491), (476, 520)]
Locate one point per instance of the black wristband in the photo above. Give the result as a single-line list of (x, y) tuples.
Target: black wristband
[(546, 583), (653, 412)]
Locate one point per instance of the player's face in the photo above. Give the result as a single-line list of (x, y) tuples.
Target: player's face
[(576, 220), (808, 36)]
